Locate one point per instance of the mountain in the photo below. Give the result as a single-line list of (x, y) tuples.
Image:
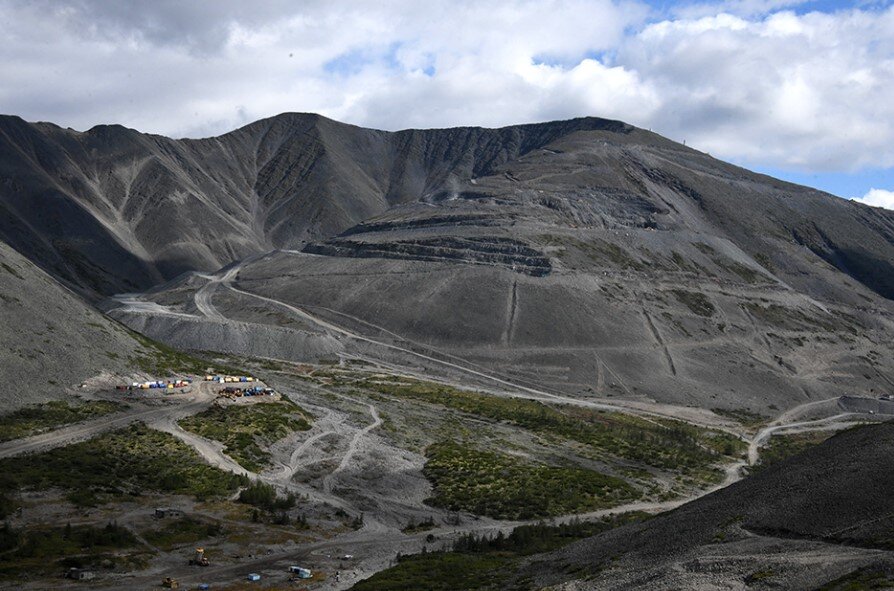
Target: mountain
[(585, 257), (112, 210), (51, 338), (818, 517)]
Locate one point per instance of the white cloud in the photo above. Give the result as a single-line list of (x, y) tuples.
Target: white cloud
[(804, 91), (739, 78), (878, 198)]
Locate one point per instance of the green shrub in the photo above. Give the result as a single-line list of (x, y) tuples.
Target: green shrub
[(505, 487), (697, 302), (39, 550), (246, 429), (484, 563), (127, 461), (666, 444), (50, 415), (263, 496), (782, 447)]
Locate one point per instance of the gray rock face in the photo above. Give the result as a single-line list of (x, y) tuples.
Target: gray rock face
[(584, 256), (112, 210), (51, 339)]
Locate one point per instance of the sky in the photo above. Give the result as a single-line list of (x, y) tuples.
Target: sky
[(799, 90)]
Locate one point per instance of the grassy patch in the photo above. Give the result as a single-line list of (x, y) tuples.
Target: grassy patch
[(864, 579), (791, 318), (414, 527), (246, 429), (743, 416), (782, 447), (488, 563), (697, 302), (747, 274), (598, 251), (759, 576), (443, 571), (506, 487), (663, 444), (765, 262), (44, 417), (186, 530), (128, 461)]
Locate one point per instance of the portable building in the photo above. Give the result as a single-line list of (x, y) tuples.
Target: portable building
[(303, 573), (79, 574), (162, 512), (254, 577)]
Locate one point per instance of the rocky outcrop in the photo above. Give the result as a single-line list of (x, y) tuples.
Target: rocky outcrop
[(501, 252)]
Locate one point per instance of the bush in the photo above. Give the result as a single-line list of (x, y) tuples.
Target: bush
[(246, 429), (505, 487), (50, 415), (480, 563), (127, 461), (35, 550), (665, 444), (263, 496)]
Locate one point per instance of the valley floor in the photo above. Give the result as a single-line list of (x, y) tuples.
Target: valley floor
[(389, 449), (359, 471)]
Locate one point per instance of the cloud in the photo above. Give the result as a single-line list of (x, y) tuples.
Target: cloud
[(803, 91), (746, 80), (877, 198)]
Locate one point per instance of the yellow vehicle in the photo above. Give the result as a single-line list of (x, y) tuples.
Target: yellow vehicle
[(170, 583)]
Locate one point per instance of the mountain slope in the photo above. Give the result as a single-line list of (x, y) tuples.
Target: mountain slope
[(807, 521), (113, 210), (583, 256), (110, 208), (51, 339)]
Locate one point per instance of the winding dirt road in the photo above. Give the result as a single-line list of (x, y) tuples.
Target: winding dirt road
[(375, 534)]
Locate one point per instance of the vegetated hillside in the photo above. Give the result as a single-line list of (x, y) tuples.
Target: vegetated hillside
[(800, 524), (585, 256), (50, 338)]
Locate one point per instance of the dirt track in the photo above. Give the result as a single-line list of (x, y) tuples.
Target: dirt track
[(378, 541)]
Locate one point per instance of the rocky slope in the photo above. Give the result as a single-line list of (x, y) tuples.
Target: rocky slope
[(51, 338), (801, 524), (112, 210), (583, 256)]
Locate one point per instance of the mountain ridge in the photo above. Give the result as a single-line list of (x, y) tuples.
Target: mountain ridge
[(585, 256), (266, 175)]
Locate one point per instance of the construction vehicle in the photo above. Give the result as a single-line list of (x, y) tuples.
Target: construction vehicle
[(170, 583), (199, 558)]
